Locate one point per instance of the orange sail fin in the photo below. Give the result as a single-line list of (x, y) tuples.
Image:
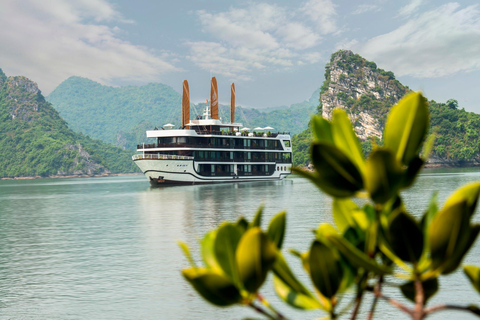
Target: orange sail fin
[(214, 98), (232, 104), (185, 105)]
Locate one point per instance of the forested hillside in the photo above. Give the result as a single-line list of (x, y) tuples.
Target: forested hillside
[(102, 111), (367, 94), (36, 141), (121, 115)]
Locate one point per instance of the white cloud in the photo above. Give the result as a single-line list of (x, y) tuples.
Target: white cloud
[(312, 57), (298, 36), (363, 8), (213, 56), (249, 27), (260, 36), (49, 43), (323, 14), (346, 44), (437, 43), (410, 7)]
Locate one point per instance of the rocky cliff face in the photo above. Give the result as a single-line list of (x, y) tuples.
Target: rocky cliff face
[(364, 91), (36, 141)]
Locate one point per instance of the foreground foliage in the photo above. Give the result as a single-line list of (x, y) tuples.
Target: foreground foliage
[(369, 245)]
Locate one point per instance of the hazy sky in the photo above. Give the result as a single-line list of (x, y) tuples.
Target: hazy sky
[(274, 51)]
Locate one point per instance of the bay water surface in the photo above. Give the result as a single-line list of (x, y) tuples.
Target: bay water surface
[(105, 248)]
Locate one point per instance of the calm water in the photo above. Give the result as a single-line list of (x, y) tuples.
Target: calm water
[(105, 248)]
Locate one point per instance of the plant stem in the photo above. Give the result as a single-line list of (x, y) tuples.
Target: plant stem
[(377, 291), (358, 302), (396, 304), (419, 299), (472, 309), (269, 306), (260, 310)]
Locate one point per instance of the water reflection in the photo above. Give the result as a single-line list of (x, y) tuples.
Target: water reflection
[(105, 248)]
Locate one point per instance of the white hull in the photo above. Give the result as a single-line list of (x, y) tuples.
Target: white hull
[(168, 171)]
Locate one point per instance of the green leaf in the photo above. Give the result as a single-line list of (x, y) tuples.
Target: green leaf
[(430, 287), (449, 231), (428, 147), (406, 237), (255, 256), (335, 174), (283, 272), (473, 274), (243, 224), (187, 253), (325, 269), (294, 298), (208, 251), (324, 230), (322, 130), (406, 127), (215, 288), (226, 242), (383, 175), (457, 257), (371, 238), (356, 257), (303, 258), (468, 193), (431, 211), (276, 229), (343, 210), (257, 220), (412, 172), (289, 288), (346, 140)]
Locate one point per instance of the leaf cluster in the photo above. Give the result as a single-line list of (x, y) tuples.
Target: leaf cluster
[(368, 243)]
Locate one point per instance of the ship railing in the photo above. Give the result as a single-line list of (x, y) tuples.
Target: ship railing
[(205, 146), (160, 157)]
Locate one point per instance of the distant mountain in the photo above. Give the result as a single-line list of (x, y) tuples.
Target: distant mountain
[(121, 115), (367, 93), (36, 141), (102, 111)]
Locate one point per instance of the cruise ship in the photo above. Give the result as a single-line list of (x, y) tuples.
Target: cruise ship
[(207, 150)]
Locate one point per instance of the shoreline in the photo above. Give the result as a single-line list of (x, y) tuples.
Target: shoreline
[(426, 166), (73, 176)]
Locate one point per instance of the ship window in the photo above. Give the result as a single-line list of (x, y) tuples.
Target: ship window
[(181, 139), (212, 167), (286, 143), (286, 157)]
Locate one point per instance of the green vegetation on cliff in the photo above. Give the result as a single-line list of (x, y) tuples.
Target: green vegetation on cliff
[(36, 141), (457, 131)]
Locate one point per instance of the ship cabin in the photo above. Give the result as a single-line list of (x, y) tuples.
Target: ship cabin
[(220, 148)]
